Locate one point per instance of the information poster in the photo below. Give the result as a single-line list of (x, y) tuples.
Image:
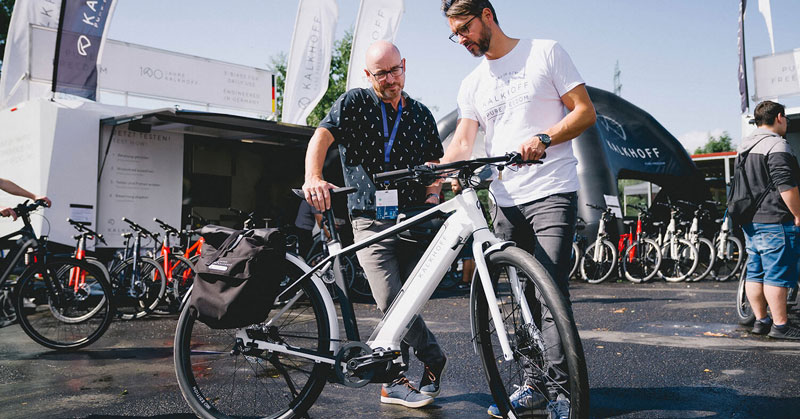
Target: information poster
[(142, 179)]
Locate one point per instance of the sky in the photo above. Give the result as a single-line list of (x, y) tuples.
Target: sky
[(678, 59)]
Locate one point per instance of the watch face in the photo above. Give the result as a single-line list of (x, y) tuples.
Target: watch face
[(544, 138)]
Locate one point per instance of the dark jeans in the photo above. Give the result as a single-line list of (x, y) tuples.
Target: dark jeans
[(544, 228)]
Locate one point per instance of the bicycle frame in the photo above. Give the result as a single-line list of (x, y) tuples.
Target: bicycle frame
[(465, 219)]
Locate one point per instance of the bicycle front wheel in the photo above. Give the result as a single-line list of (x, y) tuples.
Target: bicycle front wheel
[(706, 254), (597, 268), (729, 258), (219, 377), (641, 260), (138, 287), (64, 304), (678, 260), (547, 351)]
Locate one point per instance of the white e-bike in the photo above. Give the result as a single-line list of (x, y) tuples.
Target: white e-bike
[(278, 368)]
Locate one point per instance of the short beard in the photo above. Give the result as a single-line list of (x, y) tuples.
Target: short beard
[(483, 43)]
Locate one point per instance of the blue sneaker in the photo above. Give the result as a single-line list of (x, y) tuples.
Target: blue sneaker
[(559, 408), (525, 398)]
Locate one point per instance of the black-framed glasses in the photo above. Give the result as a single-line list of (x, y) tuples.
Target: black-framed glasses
[(395, 71), (461, 31)]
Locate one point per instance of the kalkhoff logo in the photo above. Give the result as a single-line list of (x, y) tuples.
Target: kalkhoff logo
[(613, 127), (83, 43)]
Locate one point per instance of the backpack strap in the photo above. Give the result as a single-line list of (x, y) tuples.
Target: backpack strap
[(227, 245)]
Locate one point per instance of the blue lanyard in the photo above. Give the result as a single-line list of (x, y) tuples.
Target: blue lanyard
[(387, 146)]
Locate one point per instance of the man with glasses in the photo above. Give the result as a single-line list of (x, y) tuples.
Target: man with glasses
[(377, 130), (527, 96)]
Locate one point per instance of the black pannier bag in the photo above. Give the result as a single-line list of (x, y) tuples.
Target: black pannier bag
[(238, 275)]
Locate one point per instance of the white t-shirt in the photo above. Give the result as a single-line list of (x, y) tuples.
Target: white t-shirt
[(515, 97)]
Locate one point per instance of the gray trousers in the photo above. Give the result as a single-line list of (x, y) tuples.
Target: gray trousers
[(386, 264), (545, 228)]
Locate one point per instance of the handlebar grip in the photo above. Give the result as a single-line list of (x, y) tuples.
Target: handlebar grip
[(380, 177)]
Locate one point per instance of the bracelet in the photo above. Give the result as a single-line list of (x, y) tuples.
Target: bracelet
[(433, 194)]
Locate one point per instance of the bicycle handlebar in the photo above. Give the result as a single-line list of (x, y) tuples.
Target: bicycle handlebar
[(81, 226), (166, 227), (139, 229), (421, 171), (23, 209)]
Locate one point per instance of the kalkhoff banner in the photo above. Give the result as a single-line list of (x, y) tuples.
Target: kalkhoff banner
[(81, 32), (377, 20)]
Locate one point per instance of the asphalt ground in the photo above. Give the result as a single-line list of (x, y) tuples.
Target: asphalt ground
[(654, 351)]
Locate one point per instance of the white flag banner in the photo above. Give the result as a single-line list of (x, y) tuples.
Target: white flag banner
[(14, 77), (309, 59), (763, 7), (377, 21)]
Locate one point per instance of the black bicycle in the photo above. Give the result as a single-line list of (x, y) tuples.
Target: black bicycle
[(62, 303)]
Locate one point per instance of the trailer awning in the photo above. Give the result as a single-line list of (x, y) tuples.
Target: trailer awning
[(208, 124)]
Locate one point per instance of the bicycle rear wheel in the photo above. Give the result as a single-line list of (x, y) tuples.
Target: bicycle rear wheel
[(597, 270), (729, 258), (536, 346), (641, 260), (138, 288), (743, 309), (220, 377), (64, 304)]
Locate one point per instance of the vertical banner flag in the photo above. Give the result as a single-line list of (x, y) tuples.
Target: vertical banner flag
[(742, 69), (766, 11), (16, 68), (377, 21), (309, 59), (81, 32)]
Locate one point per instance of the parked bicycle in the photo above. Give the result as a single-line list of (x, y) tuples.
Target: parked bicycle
[(178, 269), (642, 257), (678, 255), (578, 244), (706, 251), (53, 311), (278, 368), (730, 251)]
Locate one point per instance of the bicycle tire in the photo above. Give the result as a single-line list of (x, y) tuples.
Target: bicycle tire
[(44, 289), (574, 260), (706, 255), (218, 382), (528, 341), (597, 271), (360, 286), (678, 266), (730, 260), (743, 309), (644, 263), (100, 303), (146, 296), (183, 274)]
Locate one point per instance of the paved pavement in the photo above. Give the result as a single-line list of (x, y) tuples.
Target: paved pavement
[(654, 351)]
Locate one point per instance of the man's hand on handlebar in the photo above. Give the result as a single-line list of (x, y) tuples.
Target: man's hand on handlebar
[(46, 201), (532, 149), (317, 193), (8, 212)]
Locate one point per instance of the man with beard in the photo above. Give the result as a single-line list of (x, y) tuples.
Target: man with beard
[(528, 97), (377, 130)]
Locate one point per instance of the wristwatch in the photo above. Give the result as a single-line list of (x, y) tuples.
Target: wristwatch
[(545, 139)]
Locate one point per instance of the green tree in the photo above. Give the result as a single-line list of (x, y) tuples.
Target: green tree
[(716, 144), (337, 78), (6, 7)]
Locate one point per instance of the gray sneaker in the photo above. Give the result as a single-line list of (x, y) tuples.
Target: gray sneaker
[(400, 391), (787, 331), (524, 400), (559, 408), (761, 328)]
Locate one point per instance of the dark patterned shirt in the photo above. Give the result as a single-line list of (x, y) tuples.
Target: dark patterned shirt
[(356, 122)]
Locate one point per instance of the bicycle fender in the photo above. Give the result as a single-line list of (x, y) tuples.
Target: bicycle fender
[(497, 247)]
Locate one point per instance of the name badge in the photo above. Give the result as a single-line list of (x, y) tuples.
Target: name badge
[(386, 204)]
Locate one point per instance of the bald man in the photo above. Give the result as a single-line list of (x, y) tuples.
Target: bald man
[(380, 129)]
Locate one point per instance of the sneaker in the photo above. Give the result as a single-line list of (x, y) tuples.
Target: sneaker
[(432, 379), (787, 331), (761, 327), (524, 398), (559, 408), (401, 392), (463, 286)]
